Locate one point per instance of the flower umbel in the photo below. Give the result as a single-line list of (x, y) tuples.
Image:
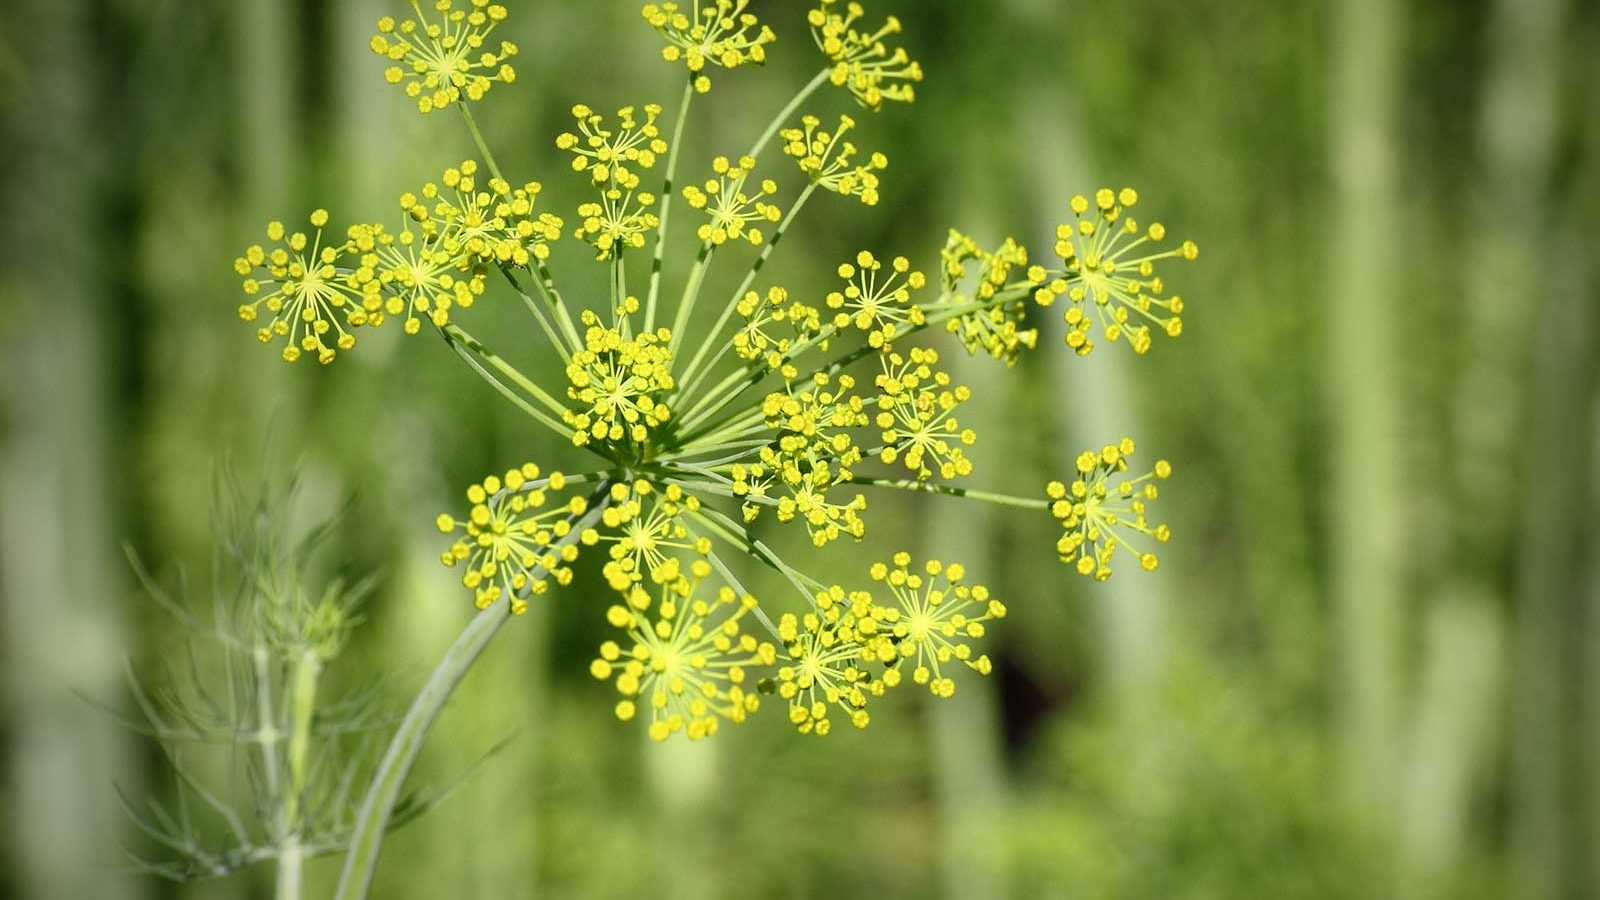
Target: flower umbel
[(442, 59), (512, 538), (915, 413), (995, 328), (1106, 282), (685, 655), (830, 655), (719, 32), (620, 384), (861, 61), (730, 208), (315, 306), (875, 301), (701, 419), (1100, 511), (829, 160), (934, 618)]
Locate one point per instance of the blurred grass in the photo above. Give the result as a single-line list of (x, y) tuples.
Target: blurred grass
[(1179, 735)]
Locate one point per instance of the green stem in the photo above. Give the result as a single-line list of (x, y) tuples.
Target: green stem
[(471, 350), (689, 375), (787, 111), (372, 821), (666, 207), (302, 707), (549, 330), (477, 138), (546, 282), (691, 293), (924, 487)]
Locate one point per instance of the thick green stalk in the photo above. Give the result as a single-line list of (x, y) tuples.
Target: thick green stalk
[(302, 702), (377, 807), (372, 822), (666, 207)]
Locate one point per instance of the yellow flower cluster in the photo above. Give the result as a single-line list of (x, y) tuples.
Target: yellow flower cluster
[(764, 312), (1097, 516), (442, 60), (730, 208), (995, 328), (915, 411), (315, 306), (493, 223), (515, 540), (766, 410), (860, 59), (828, 661), (620, 383), (645, 526), (684, 653), (934, 618), (874, 301), (813, 452), (829, 160), (423, 277), (720, 32), (1122, 291), (613, 158)]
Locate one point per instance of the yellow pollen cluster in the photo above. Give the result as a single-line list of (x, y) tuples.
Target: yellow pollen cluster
[(861, 61), (719, 32), (874, 301), (1098, 517), (916, 407), (829, 160), (620, 383), (934, 618), (1106, 281), (829, 657), (442, 60), (730, 207), (684, 654), (515, 541), (315, 305)]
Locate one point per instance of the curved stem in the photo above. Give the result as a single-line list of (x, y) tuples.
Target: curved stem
[(377, 807), (784, 114), (372, 822)]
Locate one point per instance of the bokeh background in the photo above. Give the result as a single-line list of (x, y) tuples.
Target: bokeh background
[(1368, 667)]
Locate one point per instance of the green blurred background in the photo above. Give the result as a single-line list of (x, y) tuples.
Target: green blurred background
[(1368, 667)]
